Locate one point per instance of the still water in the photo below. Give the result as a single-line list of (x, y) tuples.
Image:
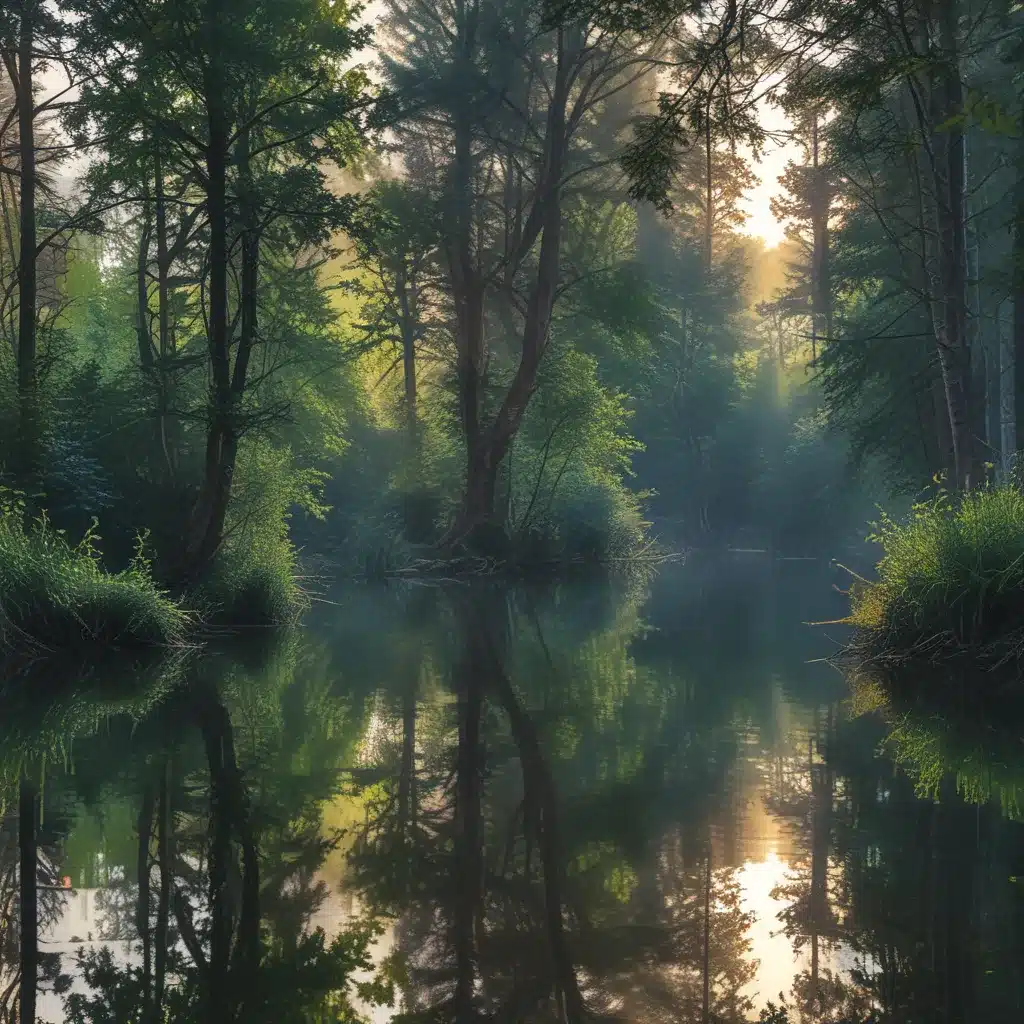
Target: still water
[(638, 802)]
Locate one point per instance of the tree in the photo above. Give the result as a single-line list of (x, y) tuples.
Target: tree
[(253, 100), (511, 97), (31, 39), (397, 250)]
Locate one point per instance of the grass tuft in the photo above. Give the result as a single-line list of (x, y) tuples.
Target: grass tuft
[(57, 596), (950, 580)]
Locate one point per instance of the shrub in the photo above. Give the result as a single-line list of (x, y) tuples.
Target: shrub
[(250, 585), (254, 580), (951, 577), (55, 596), (598, 520)]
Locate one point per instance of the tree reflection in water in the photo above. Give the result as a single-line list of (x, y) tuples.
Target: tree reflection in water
[(547, 806), (228, 840), (561, 840)]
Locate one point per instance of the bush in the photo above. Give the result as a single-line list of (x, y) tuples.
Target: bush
[(54, 596), (951, 578), (598, 521), (250, 586), (254, 579)]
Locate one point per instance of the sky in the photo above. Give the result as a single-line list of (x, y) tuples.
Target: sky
[(760, 221), (757, 202)]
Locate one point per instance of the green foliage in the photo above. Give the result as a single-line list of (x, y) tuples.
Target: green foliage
[(951, 576), (254, 579), (57, 596), (565, 478)]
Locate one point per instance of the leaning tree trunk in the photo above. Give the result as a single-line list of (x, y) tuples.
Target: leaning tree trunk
[(487, 448)]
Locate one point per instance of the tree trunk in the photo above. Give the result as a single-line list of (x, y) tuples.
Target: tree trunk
[(709, 193), (1007, 394), (1017, 334), (142, 327), (29, 901), (408, 327), (984, 359), (28, 398), (951, 337), (165, 344), (206, 528), (821, 288), (942, 213), (470, 337), (943, 430), (487, 448)]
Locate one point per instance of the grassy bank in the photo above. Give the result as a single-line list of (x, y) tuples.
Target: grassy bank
[(950, 582), (56, 596)]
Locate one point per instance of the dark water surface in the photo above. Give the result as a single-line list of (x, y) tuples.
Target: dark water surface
[(642, 803)]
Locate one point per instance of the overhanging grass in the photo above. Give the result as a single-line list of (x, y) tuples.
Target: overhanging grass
[(57, 597), (950, 580)]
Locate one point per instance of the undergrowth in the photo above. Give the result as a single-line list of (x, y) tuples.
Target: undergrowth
[(950, 580), (250, 586), (55, 595)]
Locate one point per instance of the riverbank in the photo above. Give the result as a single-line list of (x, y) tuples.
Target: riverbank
[(950, 583), (58, 597)]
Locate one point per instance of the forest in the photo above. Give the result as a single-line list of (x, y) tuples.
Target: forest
[(474, 287), (441, 441)]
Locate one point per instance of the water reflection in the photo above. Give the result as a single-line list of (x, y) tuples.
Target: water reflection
[(642, 804)]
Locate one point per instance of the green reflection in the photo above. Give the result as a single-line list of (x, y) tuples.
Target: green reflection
[(643, 803)]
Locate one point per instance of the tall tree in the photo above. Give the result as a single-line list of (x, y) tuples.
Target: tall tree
[(255, 99), (30, 40), (510, 95)]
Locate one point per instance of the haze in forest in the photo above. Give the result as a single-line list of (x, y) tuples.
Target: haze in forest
[(428, 432)]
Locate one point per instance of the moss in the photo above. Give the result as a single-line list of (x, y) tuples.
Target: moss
[(55, 596), (950, 581)]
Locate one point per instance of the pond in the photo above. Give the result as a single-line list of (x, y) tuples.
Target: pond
[(645, 801)]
